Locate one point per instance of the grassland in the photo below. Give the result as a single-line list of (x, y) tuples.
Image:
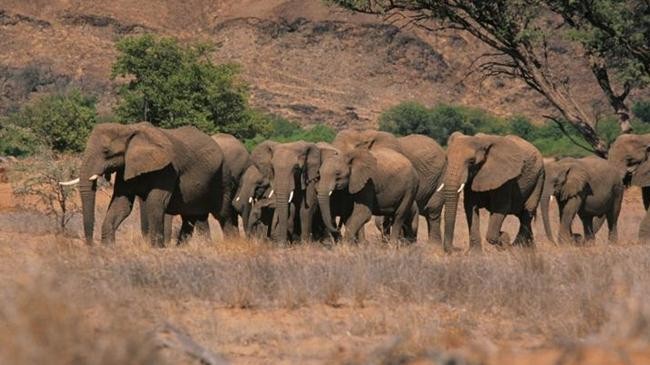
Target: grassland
[(256, 303)]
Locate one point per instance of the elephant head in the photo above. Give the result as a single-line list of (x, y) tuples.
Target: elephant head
[(291, 167), (482, 162), (252, 187), (349, 139), (129, 150), (349, 172), (630, 153), (564, 180)]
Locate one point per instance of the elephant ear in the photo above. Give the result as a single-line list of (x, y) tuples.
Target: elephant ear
[(311, 164), (503, 161), (362, 166), (575, 181), (261, 157), (641, 176), (148, 150)]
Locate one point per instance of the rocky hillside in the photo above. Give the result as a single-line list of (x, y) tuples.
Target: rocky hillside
[(303, 59)]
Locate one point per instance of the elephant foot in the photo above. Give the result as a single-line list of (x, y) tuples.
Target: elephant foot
[(577, 239), (502, 241), (475, 250)]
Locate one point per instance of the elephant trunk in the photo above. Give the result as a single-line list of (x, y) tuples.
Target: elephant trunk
[(326, 212), (544, 205), (454, 183), (279, 232), (87, 190), (245, 216)]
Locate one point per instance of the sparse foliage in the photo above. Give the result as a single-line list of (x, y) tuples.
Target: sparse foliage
[(611, 36), (641, 110), (38, 186)]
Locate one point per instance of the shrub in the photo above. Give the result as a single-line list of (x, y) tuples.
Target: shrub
[(284, 130), (17, 141), (40, 189), (171, 86), (522, 127), (62, 121), (641, 110)]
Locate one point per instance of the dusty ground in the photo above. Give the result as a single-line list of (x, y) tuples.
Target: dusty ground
[(255, 303)]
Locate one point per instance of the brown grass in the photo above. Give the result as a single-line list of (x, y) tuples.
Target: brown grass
[(254, 302)]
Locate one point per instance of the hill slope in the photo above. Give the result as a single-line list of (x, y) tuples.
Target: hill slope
[(303, 59)]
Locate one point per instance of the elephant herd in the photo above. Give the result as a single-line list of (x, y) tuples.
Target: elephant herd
[(302, 191)]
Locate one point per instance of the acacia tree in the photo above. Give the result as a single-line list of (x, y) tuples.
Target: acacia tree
[(613, 34)]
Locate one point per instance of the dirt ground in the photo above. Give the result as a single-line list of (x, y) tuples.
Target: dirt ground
[(256, 303)]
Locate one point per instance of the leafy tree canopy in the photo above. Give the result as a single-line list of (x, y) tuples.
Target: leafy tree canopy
[(171, 85)]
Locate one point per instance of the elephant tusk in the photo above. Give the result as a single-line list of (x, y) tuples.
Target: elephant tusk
[(291, 196), (462, 186), (250, 200), (550, 198), (237, 199), (93, 178), (271, 193), (330, 194), (440, 187), (68, 183)]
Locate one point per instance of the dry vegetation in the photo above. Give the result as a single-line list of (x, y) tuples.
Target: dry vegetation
[(254, 303)]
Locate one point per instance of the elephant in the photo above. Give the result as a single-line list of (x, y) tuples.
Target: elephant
[(426, 156), (377, 181), (253, 187), (173, 171), (588, 187), (292, 169), (630, 153), (504, 174), (236, 161)]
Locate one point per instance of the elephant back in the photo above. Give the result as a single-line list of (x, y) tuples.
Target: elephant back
[(428, 159)]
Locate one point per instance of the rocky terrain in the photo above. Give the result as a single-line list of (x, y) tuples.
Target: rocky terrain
[(303, 59)]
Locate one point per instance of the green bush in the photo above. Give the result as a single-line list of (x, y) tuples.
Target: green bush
[(17, 141), (283, 130), (171, 86), (60, 121), (641, 110)]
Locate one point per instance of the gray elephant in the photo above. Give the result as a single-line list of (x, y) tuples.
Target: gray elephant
[(630, 154), (426, 156), (379, 181), (505, 175), (292, 169), (253, 186), (177, 171), (589, 187), (236, 161)]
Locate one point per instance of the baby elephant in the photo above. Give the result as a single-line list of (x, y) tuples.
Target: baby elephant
[(590, 187), (358, 184)]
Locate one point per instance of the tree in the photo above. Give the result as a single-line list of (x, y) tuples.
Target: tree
[(61, 121), (171, 86), (519, 34)]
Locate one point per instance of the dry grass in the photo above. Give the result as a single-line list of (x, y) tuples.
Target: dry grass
[(62, 302)]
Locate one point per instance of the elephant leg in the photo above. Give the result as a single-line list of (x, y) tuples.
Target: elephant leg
[(525, 234), (187, 229), (588, 227), (144, 224), (306, 223), (644, 227), (411, 223), (433, 213), (612, 217), (402, 214), (382, 225), (494, 234), (119, 208), (598, 222), (202, 228), (167, 233), (568, 211), (361, 214), (156, 205), (474, 225)]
